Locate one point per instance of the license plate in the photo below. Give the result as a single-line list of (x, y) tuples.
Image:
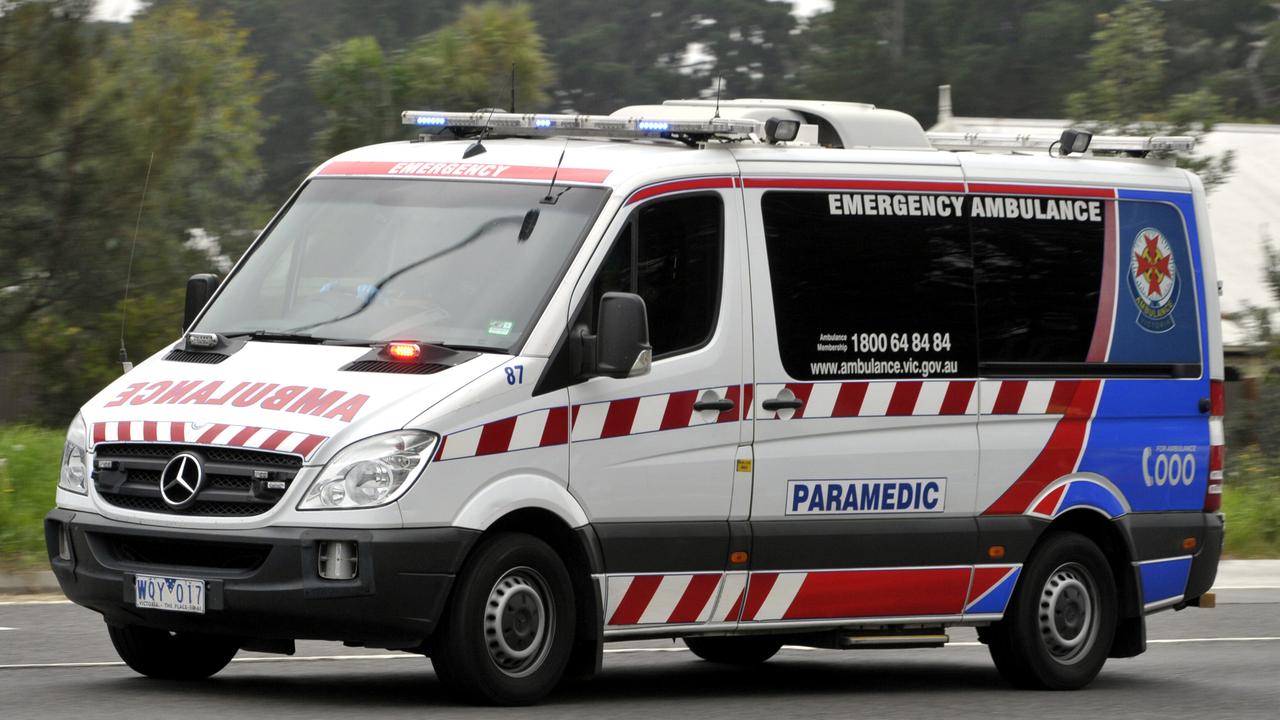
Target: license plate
[(169, 593)]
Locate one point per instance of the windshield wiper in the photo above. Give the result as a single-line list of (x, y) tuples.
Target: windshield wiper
[(291, 337)]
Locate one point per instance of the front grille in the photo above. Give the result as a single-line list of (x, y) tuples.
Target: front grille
[(401, 368), (139, 550), (192, 356), (237, 481)]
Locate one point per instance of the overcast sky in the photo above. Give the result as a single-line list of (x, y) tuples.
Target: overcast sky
[(122, 10)]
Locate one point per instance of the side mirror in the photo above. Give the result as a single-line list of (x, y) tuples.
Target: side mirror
[(620, 348), (199, 289)]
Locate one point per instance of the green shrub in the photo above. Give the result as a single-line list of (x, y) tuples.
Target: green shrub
[(29, 459), (1251, 502)]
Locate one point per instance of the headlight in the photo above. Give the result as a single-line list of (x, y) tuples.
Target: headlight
[(75, 458), (371, 472)]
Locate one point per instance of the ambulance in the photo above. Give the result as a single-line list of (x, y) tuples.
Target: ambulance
[(749, 373)]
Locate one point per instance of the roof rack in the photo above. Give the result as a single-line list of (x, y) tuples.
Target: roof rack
[(497, 124), (1102, 143)]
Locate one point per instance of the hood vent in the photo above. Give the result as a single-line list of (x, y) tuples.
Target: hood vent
[(191, 356), (400, 368)]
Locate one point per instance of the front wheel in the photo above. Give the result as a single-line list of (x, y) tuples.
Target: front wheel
[(1061, 621), (171, 656), (742, 650), (506, 636)]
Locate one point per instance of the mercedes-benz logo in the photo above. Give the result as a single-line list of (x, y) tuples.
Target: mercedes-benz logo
[(180, 480)]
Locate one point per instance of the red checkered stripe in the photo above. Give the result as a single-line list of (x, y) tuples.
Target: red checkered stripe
[(900, 398), (674, 599), (589, 421), (245, 436), (798, 595)]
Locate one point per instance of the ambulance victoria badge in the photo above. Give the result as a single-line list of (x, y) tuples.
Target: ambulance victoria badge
[(1153, 278)]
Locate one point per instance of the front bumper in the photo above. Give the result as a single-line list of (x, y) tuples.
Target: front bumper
[(264, 583)]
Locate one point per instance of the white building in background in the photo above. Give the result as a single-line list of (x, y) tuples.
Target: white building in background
[(1243, 212)]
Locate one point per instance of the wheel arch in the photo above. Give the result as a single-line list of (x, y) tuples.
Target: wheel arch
[(1113, 539)]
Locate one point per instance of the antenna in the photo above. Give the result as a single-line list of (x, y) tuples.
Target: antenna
[(478, 147), (719, 83), (128, 276), (513, 87), (551, 199)]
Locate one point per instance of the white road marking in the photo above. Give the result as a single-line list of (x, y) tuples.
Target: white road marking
[(35, 602), (611, 651), (5, 628)]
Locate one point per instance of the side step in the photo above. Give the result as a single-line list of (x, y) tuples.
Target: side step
[(916, 639)]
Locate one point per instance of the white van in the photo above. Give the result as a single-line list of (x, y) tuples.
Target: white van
[(758, 373)]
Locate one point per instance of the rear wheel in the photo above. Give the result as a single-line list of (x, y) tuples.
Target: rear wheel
[(1058, 629), (506, 636), (171, 656), (744, 650)]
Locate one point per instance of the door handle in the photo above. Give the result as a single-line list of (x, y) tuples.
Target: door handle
[(719, 405), (793, 403)]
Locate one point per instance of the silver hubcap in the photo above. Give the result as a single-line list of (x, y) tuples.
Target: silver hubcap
[(519, 621), (1068, 617)]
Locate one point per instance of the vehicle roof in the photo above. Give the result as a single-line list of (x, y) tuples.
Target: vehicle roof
[(627, 164)]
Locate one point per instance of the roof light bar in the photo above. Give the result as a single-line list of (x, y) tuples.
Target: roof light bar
[(583, 125), (1103, 143)]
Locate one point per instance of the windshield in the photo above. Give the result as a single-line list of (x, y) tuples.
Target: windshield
[(401, 259)]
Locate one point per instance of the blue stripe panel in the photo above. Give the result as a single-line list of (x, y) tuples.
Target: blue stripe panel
[(1090, 494), (1164, 579), (996, 600)]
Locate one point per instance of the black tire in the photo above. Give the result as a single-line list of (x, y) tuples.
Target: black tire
[(506, 635), (1058, 629), (164, 655), (743, 650)]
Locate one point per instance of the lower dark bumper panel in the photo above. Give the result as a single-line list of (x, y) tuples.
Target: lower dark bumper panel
[(264, 583)]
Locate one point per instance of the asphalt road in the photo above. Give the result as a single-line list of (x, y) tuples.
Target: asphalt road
[(56, 662)]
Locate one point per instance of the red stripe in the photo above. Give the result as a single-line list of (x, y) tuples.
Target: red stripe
[(178, 432), (1060, 398), (758, 587), (817, 183), (956, 401), (1009, 398), (617, 421), (208, 436), (444, 440), (849, 400), (308, 445), (439, 169), (802, 391), (633, 604), (99, 433), (733, 413), (556, 431), (903, 400), (881, 593), (242, 437), (273, 441), (679, 186), (679, 409), (1004, 189), (149, 430), (123, 431), (1050, 501), (1058, 457), (736, 609), (748, 391), (985, 578), (496, 436), (694, 599), (1101, 341)]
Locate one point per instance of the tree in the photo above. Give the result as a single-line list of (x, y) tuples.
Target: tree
[(464, 65), (170, 104), (1128, 89)]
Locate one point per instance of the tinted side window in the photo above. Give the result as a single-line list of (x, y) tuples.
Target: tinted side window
[(871, 285), (670, 255), (1039, 283)]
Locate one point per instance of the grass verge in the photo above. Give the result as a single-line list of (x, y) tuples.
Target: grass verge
[(29, 459)]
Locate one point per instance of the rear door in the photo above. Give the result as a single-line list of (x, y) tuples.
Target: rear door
[(864, 409)]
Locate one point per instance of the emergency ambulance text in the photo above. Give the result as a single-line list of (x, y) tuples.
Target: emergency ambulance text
[(1013, 208), (332, 404), (861, 497)]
